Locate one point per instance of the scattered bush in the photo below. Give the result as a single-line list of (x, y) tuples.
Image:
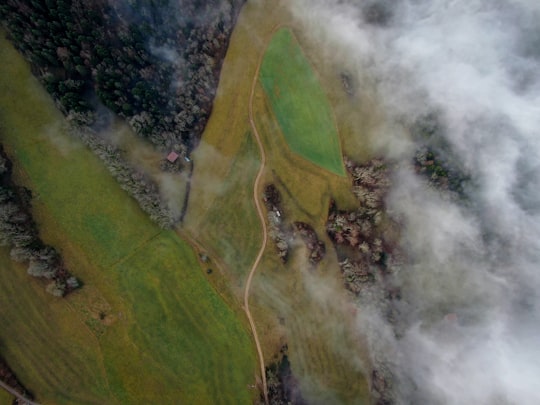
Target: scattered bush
[(19, 231), (132, 180), (365, 237), (280, 234)]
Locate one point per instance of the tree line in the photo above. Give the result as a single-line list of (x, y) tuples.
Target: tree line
[(137, 184), (366, 241), (365, 238), (155, 63), (19, 231)]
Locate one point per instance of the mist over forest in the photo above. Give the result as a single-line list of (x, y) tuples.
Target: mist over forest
[(467, 323), (446, 95)]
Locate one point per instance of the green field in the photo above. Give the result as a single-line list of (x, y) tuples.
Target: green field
[(147, 327), (46, 343), (323, 353), (5, 398), (299, 103)]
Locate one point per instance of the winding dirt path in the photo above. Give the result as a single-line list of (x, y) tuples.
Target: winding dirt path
[(262, 218)]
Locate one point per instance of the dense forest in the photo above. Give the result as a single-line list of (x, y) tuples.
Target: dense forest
[(19, 231), (156, 63)]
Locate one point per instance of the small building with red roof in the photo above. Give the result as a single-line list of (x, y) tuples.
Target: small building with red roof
[(172, 157)]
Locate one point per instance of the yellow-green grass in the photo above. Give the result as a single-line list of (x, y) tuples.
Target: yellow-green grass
[(6, 398), (45, 342), (299, 103), (322, 352), (226, 160), (312, 306), (166, 336), (194, 340), (232, 216), (305, 186), (325, 355)]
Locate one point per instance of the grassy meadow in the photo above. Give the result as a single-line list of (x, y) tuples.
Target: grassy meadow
[(6, 398), (323, 350), (45, 341), (147, 327), (150, 328), (311, 305), (299, 103)]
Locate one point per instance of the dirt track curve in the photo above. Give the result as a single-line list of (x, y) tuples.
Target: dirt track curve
[(263, 224)]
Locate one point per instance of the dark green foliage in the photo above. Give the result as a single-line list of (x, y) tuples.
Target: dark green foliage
[(19, 231), (435, 159), (283, 387), (152, 62)]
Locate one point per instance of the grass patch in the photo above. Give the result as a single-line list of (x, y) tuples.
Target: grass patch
[(202, 349), (299, 103), (6, 398), (222, 215), (310, 303), (147, 327), (44, 341), (233, 213)]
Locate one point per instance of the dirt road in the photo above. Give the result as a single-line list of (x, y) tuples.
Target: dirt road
[(260, 212)]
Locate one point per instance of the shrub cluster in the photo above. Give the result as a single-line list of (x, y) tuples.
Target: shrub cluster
[(439, 172), (280, 234), (19, 231), (283, 233), (315, 246), (135, 182), (283, 386), (364, 236)]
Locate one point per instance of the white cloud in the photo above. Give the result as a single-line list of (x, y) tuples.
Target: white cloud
[(476, 63)]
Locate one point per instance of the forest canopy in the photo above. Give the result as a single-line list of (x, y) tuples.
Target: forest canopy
[(154, 63)]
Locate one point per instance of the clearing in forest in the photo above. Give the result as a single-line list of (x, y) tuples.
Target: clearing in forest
[(299, 103)]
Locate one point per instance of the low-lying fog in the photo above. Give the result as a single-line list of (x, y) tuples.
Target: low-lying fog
[(475, 64)]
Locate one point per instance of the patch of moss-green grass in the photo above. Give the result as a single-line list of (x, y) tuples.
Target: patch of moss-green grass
[(299, 103), (6, 398), (191, 334), (146, 327)]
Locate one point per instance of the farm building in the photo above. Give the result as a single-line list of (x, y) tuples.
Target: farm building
[(172, 157)]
